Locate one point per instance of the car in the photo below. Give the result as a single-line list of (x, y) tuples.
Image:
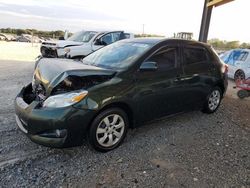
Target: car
[(7, 37), (81, 44), (120, 86), (238, 61), (24, 38)]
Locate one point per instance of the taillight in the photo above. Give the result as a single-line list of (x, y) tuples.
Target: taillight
[(224, 68)]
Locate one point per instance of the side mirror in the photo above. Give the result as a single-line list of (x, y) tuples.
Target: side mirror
[(148, 66)]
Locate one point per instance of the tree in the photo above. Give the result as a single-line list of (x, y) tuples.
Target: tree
[(245, 45)]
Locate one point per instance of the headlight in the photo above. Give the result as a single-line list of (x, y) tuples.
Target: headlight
[(67, 50), (63, 100)]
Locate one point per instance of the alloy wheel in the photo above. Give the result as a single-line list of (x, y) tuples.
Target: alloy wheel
[(110, 130), (214, 100), (239, 75)]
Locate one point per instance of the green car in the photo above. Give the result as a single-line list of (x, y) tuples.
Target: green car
[(120, 86)]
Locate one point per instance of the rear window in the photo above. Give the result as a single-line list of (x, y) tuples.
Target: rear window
[(194, 55), (242, 56), (235, 55)]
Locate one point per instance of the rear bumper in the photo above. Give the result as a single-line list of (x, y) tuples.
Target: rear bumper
[(54, 127)]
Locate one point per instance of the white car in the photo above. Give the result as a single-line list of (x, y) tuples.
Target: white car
[(238, 61), (81, 44)]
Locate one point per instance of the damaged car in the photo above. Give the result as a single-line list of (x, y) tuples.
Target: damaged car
[(118, 87), (81, 44)]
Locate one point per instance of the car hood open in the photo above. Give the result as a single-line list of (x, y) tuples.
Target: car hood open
[(50, 72)]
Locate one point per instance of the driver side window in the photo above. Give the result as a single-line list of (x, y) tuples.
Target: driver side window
[(165, 58), (110, 38), (106, 39)]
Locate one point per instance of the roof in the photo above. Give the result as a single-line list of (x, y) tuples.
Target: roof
[(150, 40), (145, 40)]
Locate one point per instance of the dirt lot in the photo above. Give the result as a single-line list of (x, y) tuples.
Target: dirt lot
[(189, 150), (19, 51)]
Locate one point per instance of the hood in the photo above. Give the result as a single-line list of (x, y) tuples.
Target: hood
[(51, 72), (62, 43), (66, 43)]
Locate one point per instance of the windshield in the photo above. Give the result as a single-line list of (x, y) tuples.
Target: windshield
[(82, 36), (118, 55)]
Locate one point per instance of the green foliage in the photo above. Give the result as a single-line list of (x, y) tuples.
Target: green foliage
[(46, 34), (245, 45), (227, 45)]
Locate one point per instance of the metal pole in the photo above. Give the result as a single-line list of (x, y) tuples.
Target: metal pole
[(205, 22), (143, 29), (32, 38)]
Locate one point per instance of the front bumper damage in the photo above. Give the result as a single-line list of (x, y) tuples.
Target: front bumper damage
[(53, 127)]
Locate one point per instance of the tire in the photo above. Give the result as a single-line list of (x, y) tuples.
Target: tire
[(110, 135), (242, 94), (239, 75), (213, 101)]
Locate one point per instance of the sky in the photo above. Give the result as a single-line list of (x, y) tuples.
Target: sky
[(163, 17)]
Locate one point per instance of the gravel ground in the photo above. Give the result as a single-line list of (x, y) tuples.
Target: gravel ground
[(188, 150)]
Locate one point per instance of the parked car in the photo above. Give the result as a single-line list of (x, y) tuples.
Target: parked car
[(2, 37), (7, 37), (24, 38), (118, 87), (81, 44), (238, 61)]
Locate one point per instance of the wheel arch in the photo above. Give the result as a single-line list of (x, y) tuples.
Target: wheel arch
[(221, 86), (238, 71), (122, 105)]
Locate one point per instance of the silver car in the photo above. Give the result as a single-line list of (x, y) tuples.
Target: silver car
[(81, 44), (238, 61)]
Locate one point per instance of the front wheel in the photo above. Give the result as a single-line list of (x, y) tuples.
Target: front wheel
[(108, 129), (213, 101)]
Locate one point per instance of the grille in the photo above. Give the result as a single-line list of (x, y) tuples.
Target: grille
[(47, 43)]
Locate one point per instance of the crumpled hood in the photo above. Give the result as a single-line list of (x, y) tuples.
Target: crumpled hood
[(63, 43), (50, 72)]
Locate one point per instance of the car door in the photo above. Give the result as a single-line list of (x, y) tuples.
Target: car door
[(239, 59), (198, 75), (106, 39), (159, 91), (231, 61)]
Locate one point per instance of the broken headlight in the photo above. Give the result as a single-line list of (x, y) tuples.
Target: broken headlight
[(66, 99)]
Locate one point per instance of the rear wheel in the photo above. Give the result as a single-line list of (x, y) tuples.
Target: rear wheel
[(108, 129), (213, 101), (239, 75)]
